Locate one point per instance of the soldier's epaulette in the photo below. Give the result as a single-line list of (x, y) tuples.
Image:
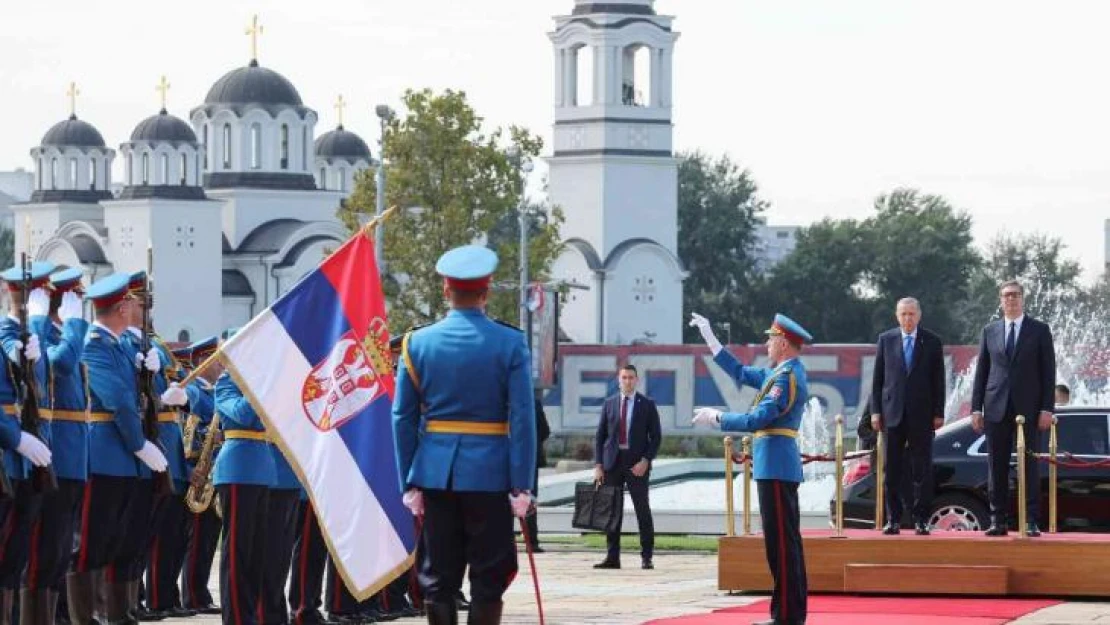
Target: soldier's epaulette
[(506, 324)]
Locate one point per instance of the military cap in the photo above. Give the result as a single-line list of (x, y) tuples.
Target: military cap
[(109, 290), (183, 354), (203, 348), (40, 275), (228, 333), (137, 281), (67, 279), (789, 329), (467, 268)]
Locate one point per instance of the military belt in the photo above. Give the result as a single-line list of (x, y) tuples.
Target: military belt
[(246, 435), (105, 417), (54, 414), (488, 428), (787, 432)]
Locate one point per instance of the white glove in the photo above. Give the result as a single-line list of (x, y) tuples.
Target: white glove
[(152, 457), (153, 362), (414, 501), (33, 449), (707, 416), (139, 360), (702, 324), (521, 503), (175, 395), (71, 307), (32, 351), (38, 303)]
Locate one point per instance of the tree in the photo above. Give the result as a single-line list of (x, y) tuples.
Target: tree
[(718, 213), (7, 246), (452, 185), (922, 248)]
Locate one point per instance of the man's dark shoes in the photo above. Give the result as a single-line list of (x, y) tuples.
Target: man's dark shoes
[(1032, 531), (608, 564), (892, 528), (921, 528), (538, 549), (996, 530), (646, 564), (461, 602)]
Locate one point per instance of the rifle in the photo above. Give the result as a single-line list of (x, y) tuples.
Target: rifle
[(148, 399), (43, 479)]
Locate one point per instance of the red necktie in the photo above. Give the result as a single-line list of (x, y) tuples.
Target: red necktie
[(622, 436)]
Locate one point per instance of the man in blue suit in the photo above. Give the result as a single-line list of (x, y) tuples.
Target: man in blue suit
[(774, 419), (465, 435)]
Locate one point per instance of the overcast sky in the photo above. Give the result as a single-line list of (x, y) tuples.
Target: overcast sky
[(1002, 106)]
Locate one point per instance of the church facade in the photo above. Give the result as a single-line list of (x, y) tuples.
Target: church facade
[(235, 205)]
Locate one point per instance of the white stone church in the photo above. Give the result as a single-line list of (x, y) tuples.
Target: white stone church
[(240, 202)]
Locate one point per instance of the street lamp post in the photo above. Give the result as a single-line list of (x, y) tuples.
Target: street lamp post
[(524, 167), (385, 114)]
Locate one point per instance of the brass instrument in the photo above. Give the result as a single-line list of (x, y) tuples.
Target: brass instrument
[(198, 498)]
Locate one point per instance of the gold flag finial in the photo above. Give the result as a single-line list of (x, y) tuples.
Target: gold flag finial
[(254, 30), (72, 94), (340, 104), (162, 87)]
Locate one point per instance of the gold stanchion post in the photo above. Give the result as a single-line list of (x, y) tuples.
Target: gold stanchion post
[(1022, 486), (880, 470), (1052, 477), (839, 476), (730, 519), (746, 449)]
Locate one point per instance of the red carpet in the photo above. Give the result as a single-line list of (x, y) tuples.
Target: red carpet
[(854, 610)]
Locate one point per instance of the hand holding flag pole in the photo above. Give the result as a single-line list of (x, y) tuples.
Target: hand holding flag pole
[(367, 230)]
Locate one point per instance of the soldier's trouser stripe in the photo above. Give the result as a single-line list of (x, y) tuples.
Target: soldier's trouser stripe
[(233, 536), (33, 558), (83, 554), (193, 550), (302, 564), (152, 595)]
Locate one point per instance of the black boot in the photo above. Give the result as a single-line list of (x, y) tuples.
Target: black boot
[(482, 613), (81, 597), (118, 608), (7, 603), (35, 608), (442, 613)]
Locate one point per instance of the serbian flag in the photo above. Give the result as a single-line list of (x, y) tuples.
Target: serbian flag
[(316, 367)]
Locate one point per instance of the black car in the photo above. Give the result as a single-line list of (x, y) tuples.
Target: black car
[(960, 478)]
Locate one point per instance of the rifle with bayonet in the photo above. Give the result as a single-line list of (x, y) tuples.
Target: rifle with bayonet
[(148, 397), (43, 479)]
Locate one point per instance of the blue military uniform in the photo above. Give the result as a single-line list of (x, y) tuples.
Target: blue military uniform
[(244, 473), (465, 435), (774, 419), (65, 410)]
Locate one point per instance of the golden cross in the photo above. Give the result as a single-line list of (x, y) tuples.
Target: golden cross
[(163, 86), (73, 92), (254, 30), (339, 106)]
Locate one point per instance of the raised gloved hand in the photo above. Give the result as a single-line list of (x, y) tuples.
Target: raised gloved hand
[(521, 503), (71, 307), (414, 501), (38, 303), (152, 457), (33, 449), (174, 395), (707, 416), (153, 362), (702, 324), (32, 351)]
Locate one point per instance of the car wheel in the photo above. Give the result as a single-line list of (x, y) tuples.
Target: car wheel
[(958, 512)]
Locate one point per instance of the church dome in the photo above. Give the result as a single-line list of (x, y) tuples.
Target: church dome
[(253, 84), (163, 127), (342, 144), (73, 132), (619, 7)]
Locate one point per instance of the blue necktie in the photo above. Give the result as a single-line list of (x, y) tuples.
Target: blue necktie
[(1011, 340), (907, 350)]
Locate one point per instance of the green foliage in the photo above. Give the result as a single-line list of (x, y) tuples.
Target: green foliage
[(452, 184), (7, 246)]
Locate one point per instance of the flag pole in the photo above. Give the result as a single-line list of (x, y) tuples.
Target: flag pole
[(367, 230)]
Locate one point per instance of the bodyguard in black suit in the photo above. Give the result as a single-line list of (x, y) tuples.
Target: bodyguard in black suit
[(907, 399), (628, 437), (1016, 375)]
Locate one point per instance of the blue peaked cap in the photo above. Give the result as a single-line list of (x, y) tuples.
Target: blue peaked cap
[(109, 288), (40, 269), (469, 262), (792, 330)]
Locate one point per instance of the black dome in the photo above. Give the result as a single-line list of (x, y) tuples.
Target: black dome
[(340, 143), (73, 132), (163, 127), (253, 85)]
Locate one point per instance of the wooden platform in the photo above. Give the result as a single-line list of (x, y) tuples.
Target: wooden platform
[(957, 563)]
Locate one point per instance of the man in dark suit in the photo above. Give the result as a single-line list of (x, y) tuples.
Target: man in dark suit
[(907, 401), (628, 437), (1016, 375), (543, 432)]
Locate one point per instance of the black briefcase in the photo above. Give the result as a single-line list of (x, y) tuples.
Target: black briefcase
[(597, 507)]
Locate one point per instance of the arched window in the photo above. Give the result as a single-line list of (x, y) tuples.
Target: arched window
[(92, 174), (256, 146), (53, 173), (204, 145), (323, 178), (341, 179), (636, 76), (198, 166), (146, 168), (583, 80), (184, 170), (164, 166), (72, 173), (41, 165), (304, 146), (227, 146), (183, 336), (285, 146), (130, 170)]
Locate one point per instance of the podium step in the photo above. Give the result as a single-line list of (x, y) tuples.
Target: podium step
[(926, 579)]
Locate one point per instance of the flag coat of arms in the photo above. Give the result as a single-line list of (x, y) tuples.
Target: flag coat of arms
[(316, 367)]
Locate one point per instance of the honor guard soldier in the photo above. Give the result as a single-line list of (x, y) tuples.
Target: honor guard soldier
[(20, 510), (774, 418), (281, 515), (310, 558), (203, 535), (118, 453), (244, 473), (465, 435), (56, 321)]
